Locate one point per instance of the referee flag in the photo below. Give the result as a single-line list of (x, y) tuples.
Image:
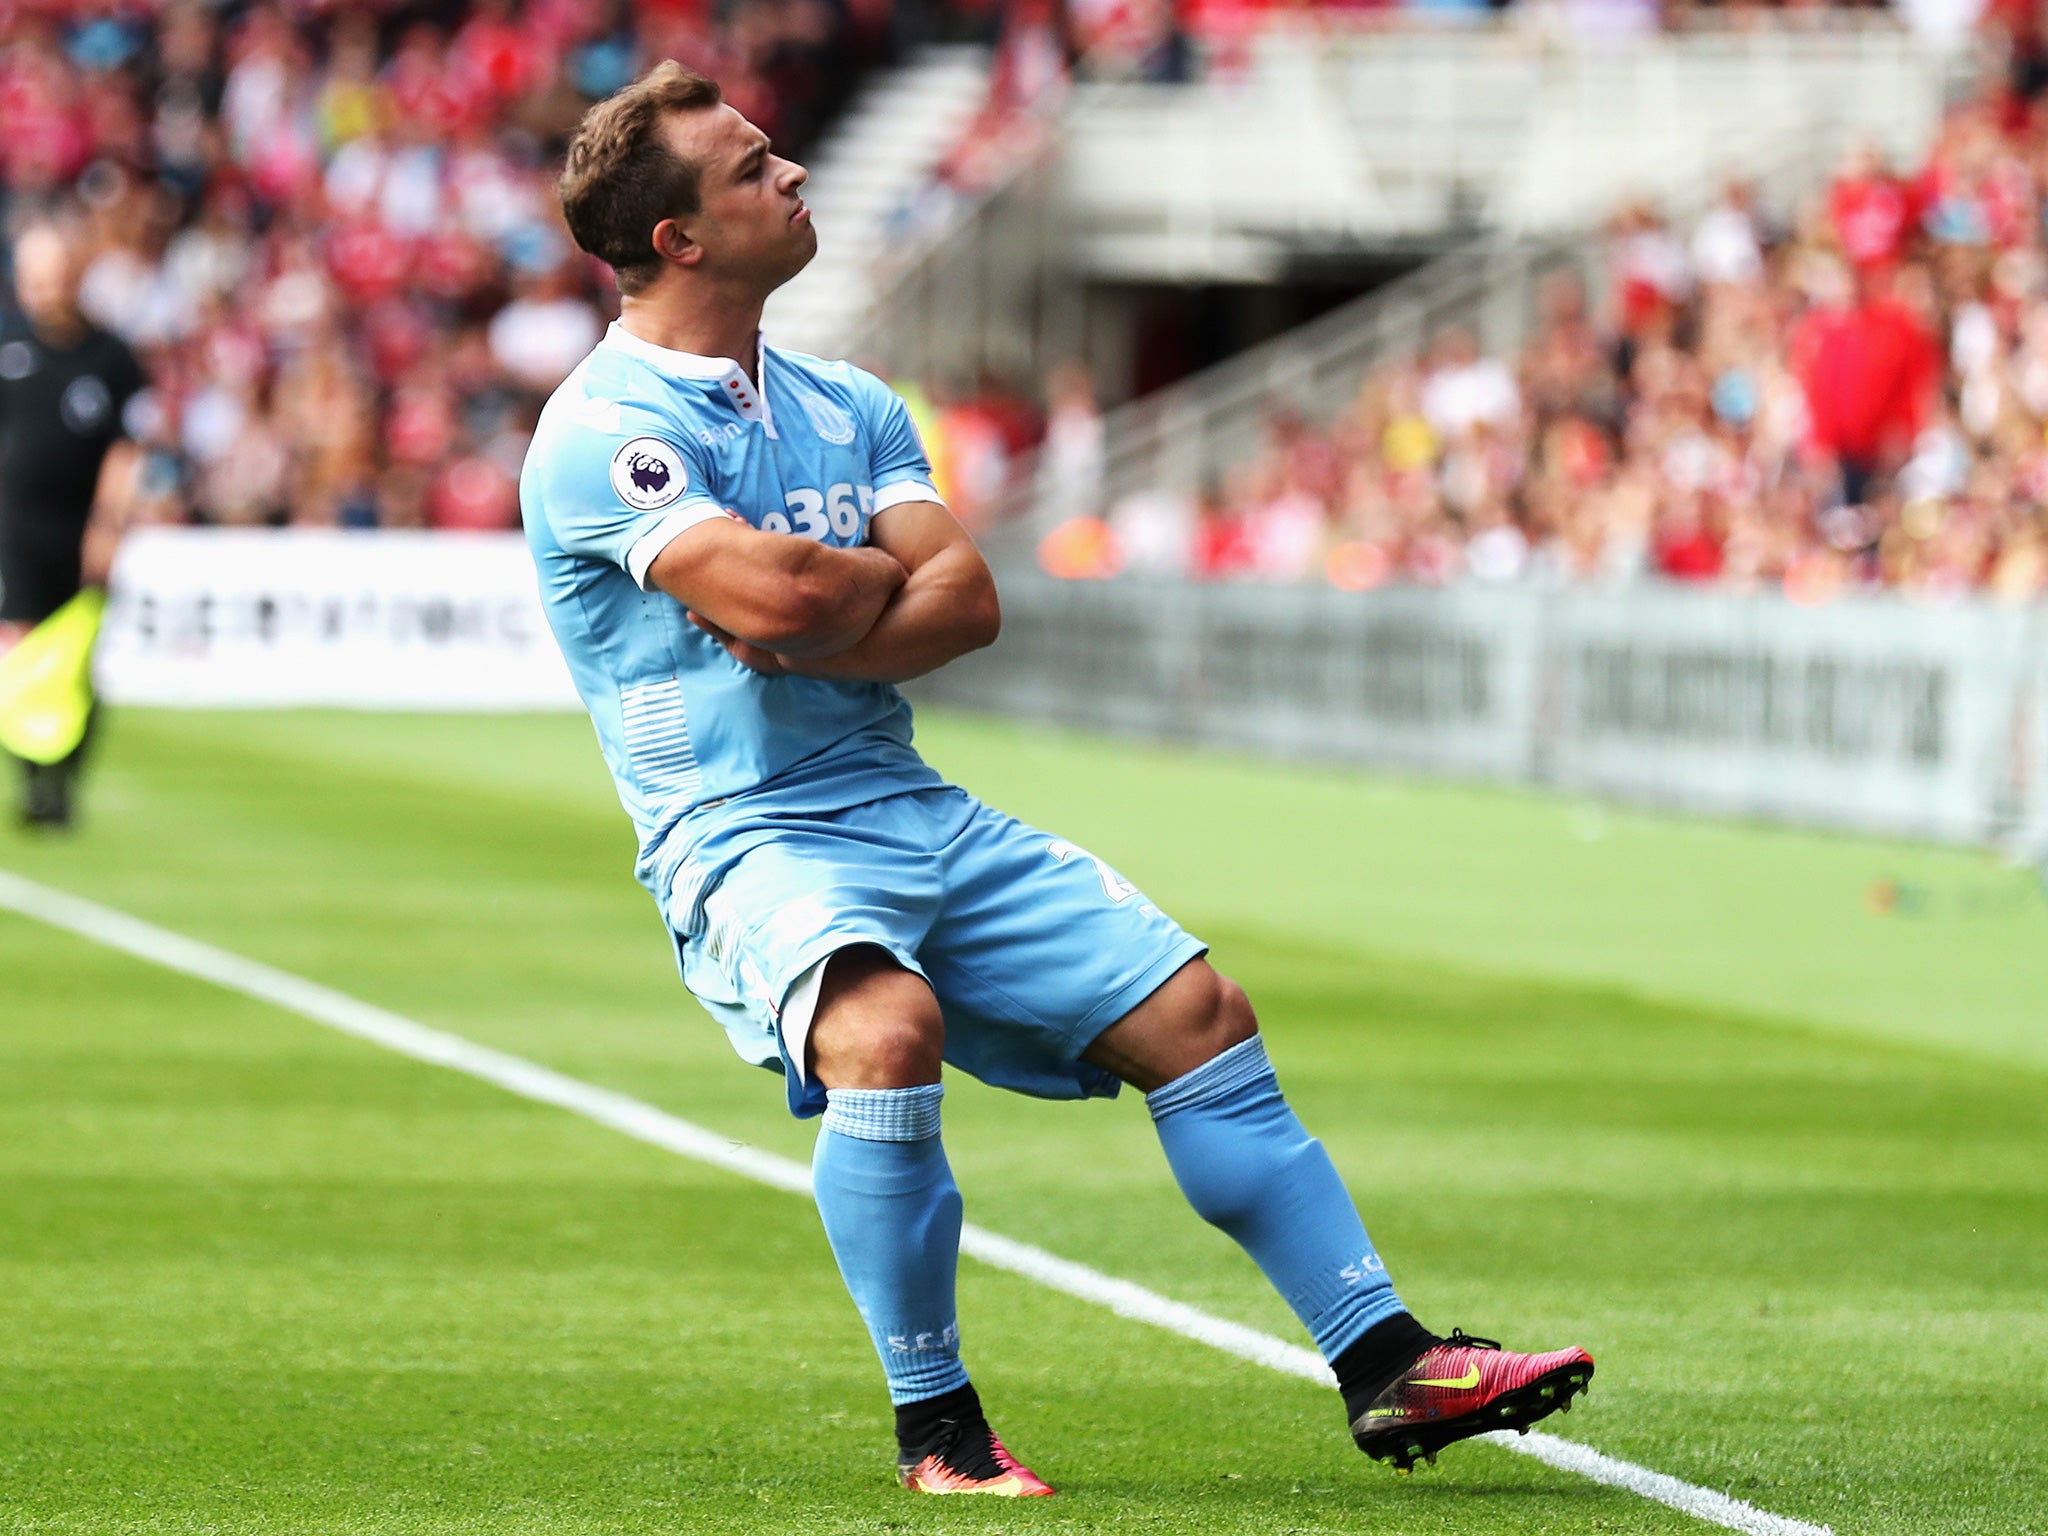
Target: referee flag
[(46, 682)]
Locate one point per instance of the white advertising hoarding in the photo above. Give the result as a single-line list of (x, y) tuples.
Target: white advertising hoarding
[(1872, 713), (1439, 681), (2030, 777), (246, 618), (1868, 713)]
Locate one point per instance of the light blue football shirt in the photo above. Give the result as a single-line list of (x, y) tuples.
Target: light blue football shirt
[(642, 442)]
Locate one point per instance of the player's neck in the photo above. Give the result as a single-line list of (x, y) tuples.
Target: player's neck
[(728, 328)]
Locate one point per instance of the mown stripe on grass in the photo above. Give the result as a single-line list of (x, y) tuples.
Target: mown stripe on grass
[(323, 1005)]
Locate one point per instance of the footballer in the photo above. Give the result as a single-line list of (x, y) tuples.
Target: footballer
[(741, 554)]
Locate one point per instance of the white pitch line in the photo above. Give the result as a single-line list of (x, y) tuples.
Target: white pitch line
[(323, 1005)]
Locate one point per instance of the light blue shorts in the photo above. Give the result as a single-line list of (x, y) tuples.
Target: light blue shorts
[(1032, 946)]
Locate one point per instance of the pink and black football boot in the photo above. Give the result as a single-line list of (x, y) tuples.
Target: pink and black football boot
[(953, 1450), (1462, 1387)]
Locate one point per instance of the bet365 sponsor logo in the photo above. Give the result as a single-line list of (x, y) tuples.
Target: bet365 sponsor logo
[(841, 511)]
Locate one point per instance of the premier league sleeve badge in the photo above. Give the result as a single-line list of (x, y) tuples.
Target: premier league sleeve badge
[(648, 474)]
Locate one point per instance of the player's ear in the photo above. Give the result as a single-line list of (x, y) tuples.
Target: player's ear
[(673, 242)]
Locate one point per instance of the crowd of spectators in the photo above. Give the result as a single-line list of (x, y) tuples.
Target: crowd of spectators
[(1857, 397), (328, 227)]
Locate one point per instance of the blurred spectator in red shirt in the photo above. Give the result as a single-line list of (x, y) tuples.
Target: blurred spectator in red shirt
[(1870, 370), (1223, 541), (1652, 273), (1684, 547), (1872, 211)]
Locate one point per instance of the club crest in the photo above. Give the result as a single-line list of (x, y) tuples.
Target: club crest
[(830, 423), (648, 473)]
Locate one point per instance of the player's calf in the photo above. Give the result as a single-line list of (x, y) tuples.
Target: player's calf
[(1247, 1166)]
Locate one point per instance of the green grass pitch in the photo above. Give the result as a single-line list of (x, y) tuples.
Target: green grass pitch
[(1667, 1089)]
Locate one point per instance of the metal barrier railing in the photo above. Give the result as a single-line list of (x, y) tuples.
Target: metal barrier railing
[(1178, 437)]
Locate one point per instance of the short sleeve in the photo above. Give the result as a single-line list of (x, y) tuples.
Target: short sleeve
[(897, 466), (618, 496)]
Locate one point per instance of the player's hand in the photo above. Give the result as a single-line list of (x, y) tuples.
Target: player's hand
[(749, 655)]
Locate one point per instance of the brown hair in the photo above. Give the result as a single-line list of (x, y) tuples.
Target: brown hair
[(622, 178)]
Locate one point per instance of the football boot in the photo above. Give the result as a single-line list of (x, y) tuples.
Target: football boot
[(1462, 1387), (963, 1455)]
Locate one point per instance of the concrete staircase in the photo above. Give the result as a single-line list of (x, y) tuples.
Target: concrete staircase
[(866, 175)]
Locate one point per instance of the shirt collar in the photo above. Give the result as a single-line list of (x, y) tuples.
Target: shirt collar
[(731, 379)]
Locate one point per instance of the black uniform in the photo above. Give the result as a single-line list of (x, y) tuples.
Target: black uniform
[(60, 411)]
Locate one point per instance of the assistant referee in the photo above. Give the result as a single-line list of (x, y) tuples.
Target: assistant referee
[(65, 386)]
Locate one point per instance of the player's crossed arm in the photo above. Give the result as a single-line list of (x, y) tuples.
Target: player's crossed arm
[(772, 593), (944, 607)]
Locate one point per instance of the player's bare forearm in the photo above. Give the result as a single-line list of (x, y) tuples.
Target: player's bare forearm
[(785, 595), (852, 591), (947, 608)]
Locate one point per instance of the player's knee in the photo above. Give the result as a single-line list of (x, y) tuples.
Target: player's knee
[(902, 1052), (1226, 1018), (877, 1026), (1195, 1017)]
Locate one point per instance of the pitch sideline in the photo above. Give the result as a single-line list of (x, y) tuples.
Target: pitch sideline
[(620, 1112)]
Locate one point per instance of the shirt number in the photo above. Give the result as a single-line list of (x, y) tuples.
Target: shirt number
[(1114, 885)]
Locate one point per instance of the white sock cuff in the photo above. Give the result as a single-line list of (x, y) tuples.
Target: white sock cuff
[(884, 1114), (1220, 1076)]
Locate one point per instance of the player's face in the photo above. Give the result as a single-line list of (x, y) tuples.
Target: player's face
[(751, 220)]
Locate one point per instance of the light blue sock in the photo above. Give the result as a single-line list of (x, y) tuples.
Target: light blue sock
[(892, 1215), (1247, 1165)]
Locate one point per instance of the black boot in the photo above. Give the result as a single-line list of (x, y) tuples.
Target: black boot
[(46, 796)]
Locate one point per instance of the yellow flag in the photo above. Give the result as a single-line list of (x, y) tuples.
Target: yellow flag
[(46, 682)]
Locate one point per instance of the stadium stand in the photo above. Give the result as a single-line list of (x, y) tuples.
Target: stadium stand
[(1322, 133), (1854, 398), (329, 232), (1830, 382)]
